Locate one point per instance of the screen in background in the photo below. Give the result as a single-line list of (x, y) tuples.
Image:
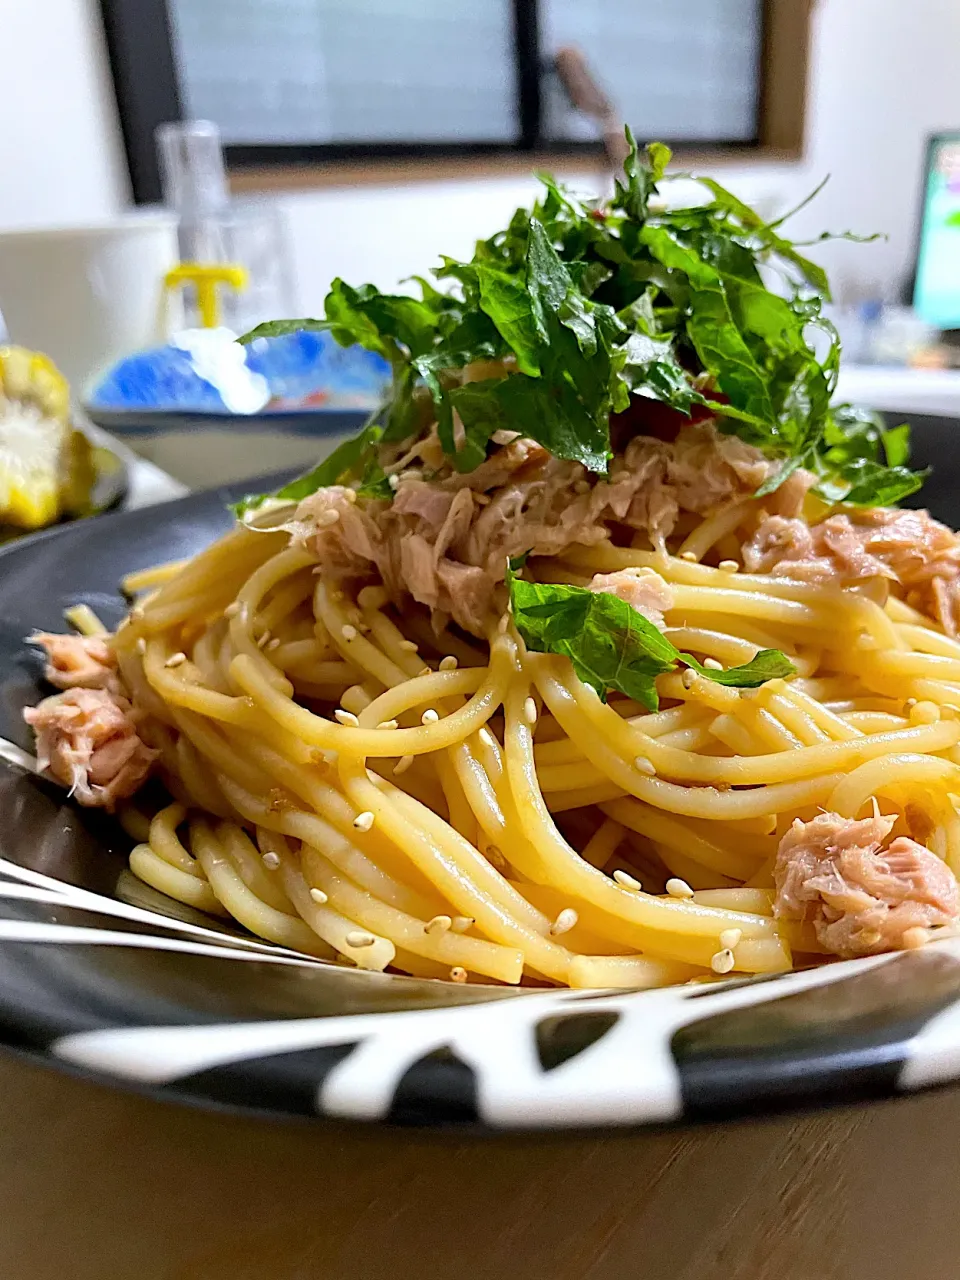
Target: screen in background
[(936, 295)]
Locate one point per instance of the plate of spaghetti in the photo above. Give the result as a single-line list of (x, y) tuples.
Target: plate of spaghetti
[(578, 744)]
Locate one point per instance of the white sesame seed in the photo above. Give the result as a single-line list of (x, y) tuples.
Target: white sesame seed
[(388, 724), (627, 881), (402, 765), (688, 678), (564, 922), (439, 924), (925, 713), (458, 973), (141, 645), (460, 924), (643, 765), (348, 631), (728, 566), (271, 860), (273, 644), (394, 482), (430, 716), (729, 938), (712, 664), (408, 646), (329, 517), (722, 961), (449, 663), (425, 671), (689, 556), (356, 938), (364, 821), (346, 717), (232, 609), (318, 896), (350, 495), (264, 639), (530, 711), (909, 704), (678, 888)]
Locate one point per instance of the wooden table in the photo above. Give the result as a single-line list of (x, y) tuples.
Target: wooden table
[(100, 1185)]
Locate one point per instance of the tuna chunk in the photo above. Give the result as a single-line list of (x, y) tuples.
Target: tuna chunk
[(908, 548), (78, 662), (860, 897), (642, 589), (446, 536), (88, 740)]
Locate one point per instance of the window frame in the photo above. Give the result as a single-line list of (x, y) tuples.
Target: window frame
[(139, 39)]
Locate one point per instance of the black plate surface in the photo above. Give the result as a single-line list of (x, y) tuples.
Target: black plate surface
[(98, 973)]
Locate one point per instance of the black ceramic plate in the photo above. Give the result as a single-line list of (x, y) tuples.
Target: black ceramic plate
[(101, 974)]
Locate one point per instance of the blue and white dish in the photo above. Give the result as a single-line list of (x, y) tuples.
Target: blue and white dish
[(206, 374)]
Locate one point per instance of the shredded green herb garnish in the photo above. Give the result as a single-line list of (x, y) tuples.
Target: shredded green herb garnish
[(613, 647), (592, 305)]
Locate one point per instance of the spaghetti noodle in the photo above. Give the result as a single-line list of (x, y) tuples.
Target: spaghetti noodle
[(378, 766)]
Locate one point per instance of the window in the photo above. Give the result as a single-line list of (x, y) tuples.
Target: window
[(301, 81), (337, 71), (687, 70)]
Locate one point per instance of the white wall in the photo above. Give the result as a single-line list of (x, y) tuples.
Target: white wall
[(60, 154), (883, 76), (383, 234)]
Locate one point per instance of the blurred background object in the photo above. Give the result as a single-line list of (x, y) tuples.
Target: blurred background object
[(363, 139), (936, 286), (586, 96), (233, 265), (49, 470), (87, 294), (42, 473)]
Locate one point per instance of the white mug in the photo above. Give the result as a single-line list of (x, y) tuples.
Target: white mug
[(86, 296)]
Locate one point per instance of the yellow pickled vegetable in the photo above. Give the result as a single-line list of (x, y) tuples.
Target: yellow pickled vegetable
[(41, 468)]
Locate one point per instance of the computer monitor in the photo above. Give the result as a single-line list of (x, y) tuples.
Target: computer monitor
[(936, 290)]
